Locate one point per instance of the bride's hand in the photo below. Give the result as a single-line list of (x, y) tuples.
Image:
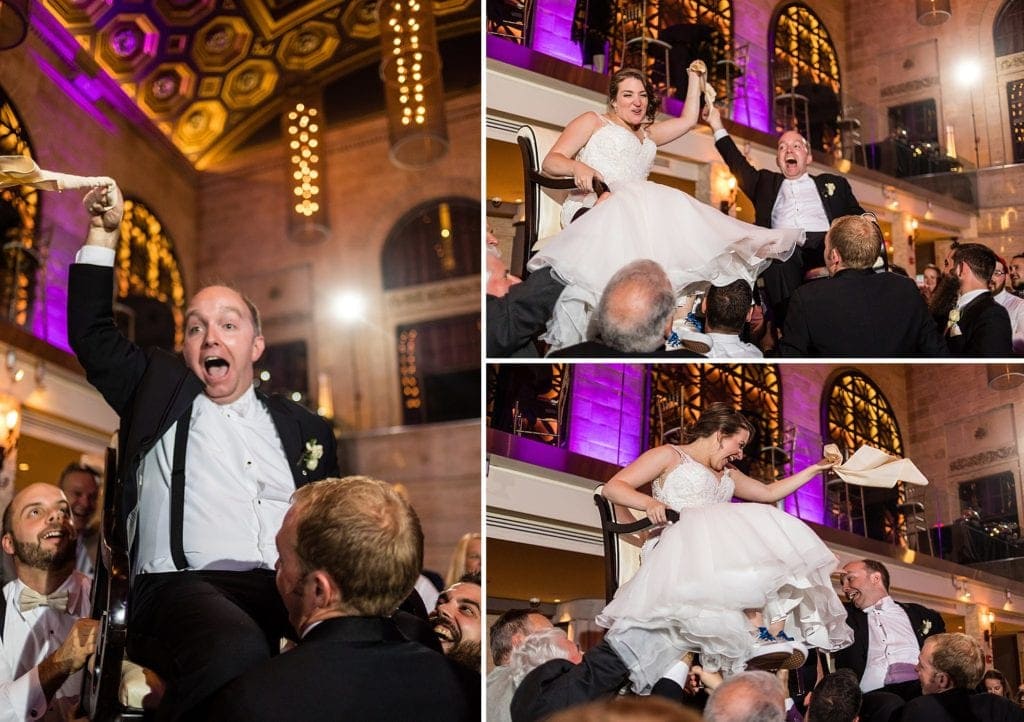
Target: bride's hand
[(655, 511), (584, 176)]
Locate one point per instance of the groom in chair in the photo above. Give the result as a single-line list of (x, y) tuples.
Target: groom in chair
[(791, 198)]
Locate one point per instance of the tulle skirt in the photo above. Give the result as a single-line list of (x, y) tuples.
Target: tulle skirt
[(692, 588), (696, 244)]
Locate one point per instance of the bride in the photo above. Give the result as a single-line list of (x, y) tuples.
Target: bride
[(742, 584), (695, 243)]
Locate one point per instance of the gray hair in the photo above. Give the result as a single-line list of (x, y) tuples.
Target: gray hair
[(635, 308), (537, 648), (747, 697)]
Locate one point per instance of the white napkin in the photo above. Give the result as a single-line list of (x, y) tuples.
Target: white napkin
[(873, 467), (18, 170)]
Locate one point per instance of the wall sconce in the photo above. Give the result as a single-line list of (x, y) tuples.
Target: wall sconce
[(962, 592), (1003, 377), (892, 202), (1008, 604), (726, 186), (933, 12), (989, 617), (16, 373)]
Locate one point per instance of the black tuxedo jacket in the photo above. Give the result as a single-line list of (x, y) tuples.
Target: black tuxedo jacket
[(860, 313), (348, 668), (762, 186), (515, 318), (961, 705), (924, 621), (985, 330), (150, 390)]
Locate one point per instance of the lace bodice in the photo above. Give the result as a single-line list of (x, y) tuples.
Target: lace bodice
[(692, 484), (618, 155)]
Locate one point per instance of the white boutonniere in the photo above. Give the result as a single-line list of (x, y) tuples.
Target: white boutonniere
[(926, 626), (311, 456), (830, 188), (951, 325)]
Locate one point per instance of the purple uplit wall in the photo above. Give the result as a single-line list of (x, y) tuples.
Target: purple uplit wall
[(801, 399), (552, 30), (749, 27), (607, 414)]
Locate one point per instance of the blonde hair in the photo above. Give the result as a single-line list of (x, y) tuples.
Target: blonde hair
[(457, 565)]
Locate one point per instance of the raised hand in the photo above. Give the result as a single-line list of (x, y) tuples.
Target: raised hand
[(105, 205)]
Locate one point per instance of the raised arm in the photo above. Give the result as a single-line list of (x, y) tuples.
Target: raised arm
[(665, 131), (560, 160), (622, 488), (754, 490)]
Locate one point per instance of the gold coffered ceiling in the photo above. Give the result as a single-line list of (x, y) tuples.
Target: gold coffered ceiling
[(209, 73)]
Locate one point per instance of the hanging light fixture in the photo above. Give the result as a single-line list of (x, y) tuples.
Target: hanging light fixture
[(13, 23), (1003, 377), (933, 12), (410, 68), (303, 124)]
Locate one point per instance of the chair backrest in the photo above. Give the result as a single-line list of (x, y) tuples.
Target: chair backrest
[(543, 196), (622, 540), (101, 682)]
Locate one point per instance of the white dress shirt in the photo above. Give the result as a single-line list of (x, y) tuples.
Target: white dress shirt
[(726, 345), (966, 298), (236, 494), (1014, 306), (891, 640), (29, 638), (798, 205), (238, 482)]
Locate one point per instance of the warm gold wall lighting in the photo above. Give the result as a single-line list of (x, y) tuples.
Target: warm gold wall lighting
[(303, 131), (410, 68)]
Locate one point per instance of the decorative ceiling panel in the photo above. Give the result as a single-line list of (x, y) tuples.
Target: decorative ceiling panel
[(208, 73)]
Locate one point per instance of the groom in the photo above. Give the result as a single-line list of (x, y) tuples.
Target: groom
[(791, 198), (208, 466)]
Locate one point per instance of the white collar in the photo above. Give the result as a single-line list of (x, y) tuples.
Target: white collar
[(969, 296), (243, 406)]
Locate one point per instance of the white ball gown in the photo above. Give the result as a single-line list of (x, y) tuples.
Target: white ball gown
[(719, 559), (696, 244)]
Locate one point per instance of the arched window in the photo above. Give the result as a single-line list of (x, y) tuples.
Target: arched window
[(805, 72), (19, 222), (149, 281), (435, 241), (1008, 28), (439, 356), (680, 392), (855, 414)]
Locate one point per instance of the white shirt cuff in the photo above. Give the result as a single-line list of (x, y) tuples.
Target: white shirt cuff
[(677, 673), (719, 134), (96, 256)]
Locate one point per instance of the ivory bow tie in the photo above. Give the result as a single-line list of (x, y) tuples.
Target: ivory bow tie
[(30, 599)]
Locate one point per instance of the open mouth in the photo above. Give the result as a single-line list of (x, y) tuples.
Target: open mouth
[(57, 533), (446, 631), (852, 595), (215, 367)]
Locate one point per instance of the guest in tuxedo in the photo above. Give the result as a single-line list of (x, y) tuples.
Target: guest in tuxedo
[(195, 437), (517, 311), (79, 484), (726, 310), (857, 312), (47, 635), (950, 667), (634, 315), (747, 696), (504, 637), (977, 325), (887, 635), (549, 674), (1017, 274), (791, 198), (1014, 305), (350, 551)]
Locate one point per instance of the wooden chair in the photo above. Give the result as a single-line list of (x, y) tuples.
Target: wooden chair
[(542, 201), (622, 540)]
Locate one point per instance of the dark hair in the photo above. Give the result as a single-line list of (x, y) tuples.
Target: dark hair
[(728, 306), (872, 566), (932, 267), (718, 417), (836, 698), (75, 466), (996, 674), (470, 578), (505, 627), (980, 259), (653, 101)]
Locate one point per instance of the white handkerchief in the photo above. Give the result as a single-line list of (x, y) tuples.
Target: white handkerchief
[(20, 170), (873, 467)]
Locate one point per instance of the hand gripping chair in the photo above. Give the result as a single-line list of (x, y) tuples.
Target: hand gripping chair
[(542, 198), (620, 535), (114, 689)]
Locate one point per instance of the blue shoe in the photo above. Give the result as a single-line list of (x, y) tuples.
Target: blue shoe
[(773, 652)]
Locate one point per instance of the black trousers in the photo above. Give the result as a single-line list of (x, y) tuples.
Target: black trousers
[(200, 629), (781, 278)]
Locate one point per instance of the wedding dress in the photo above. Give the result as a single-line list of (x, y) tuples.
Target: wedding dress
[(700, 574), (696, 244)]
